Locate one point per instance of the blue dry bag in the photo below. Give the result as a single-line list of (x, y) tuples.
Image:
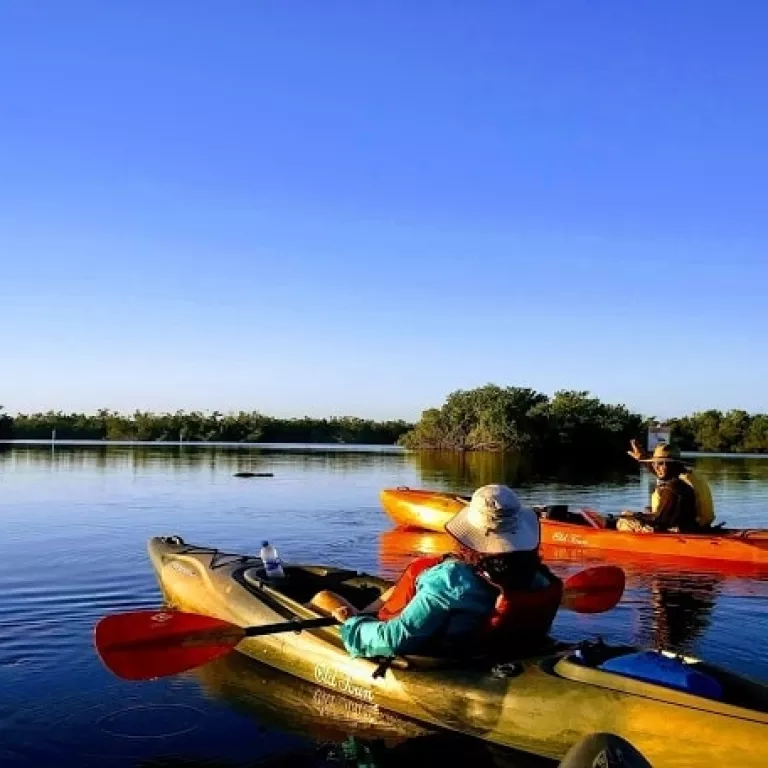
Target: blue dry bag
[(653, 667)]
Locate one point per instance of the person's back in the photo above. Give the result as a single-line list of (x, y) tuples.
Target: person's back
[(674, 506), (523, 614), (705, 505), (448, 605)]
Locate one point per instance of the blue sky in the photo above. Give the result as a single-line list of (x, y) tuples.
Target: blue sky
[(344, 207)]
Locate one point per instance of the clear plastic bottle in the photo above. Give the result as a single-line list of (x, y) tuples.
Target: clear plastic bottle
[(272, 566)]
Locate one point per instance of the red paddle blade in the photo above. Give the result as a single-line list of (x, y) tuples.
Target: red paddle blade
[(143, 645), (594, 590)]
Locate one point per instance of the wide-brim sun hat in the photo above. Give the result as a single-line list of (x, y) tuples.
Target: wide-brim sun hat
[(664, 452), (495, 522)]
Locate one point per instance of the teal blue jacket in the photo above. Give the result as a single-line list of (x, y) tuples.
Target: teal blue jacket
[(451, 601)]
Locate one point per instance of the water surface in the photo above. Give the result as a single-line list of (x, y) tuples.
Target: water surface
[(75, 520)]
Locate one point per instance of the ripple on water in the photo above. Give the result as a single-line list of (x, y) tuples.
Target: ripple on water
[(114, 723)]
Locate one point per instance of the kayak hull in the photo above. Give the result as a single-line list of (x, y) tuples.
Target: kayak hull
[(543, 706), (430, 510)]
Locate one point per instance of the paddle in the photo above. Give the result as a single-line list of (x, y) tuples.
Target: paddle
[(594, 590), (142, 645)]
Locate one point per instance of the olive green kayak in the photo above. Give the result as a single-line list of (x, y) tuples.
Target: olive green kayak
[(543, 705), (365, 735)]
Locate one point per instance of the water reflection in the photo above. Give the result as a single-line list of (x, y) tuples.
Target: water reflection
[(681, 608), (342, 731), (470, 469), (467, 471), (86, 512), (397, 548), (190, 457)]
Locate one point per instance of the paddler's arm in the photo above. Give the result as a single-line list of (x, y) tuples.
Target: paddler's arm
[(419, 620), (440, 590), (636, 452)]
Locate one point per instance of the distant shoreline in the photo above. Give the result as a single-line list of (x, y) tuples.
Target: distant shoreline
[(306, 446), (197, 427), (564, 428), (340, 447), (369, 447)]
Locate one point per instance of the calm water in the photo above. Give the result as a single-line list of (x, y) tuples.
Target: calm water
[(75, 521)]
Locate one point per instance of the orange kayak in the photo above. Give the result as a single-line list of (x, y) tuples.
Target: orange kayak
[(431, 510)]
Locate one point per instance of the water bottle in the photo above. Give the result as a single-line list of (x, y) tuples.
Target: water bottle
[(271, 560)]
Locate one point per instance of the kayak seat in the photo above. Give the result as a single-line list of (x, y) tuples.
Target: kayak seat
[(561, 513)]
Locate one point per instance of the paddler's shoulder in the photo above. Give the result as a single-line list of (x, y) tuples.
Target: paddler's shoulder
[(451, 575)]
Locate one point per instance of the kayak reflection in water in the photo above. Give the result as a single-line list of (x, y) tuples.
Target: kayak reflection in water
[(681, 609), (493, 592), (681, 501)]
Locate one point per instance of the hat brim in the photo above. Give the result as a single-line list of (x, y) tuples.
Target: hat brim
[(524, 538), (662, 460)]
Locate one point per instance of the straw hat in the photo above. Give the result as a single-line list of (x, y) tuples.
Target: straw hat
[(495, 522), (664, 452)]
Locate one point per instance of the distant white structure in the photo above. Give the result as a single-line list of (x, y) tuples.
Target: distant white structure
[(658, 433)]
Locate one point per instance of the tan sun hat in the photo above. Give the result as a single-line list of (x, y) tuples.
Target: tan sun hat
[(495, 522), (664, 452)]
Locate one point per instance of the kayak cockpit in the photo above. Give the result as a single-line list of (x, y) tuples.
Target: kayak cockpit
[(302, 582), (290, 597)]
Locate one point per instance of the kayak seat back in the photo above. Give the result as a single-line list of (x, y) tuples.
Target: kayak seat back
[(561, 513), (654, 667)]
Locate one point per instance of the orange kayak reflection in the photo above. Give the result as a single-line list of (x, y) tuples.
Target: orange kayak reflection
[(397, 548)]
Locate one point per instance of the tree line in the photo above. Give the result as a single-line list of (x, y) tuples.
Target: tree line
[(569, 426), (713, 431), (242, 427)]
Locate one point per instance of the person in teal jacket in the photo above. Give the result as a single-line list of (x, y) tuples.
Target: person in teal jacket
[(451, 601), (499, 538)]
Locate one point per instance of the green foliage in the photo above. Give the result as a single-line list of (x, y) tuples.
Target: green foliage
[(733, 429), (487, 418), (683, 433), (756, 436), (570, 426), (577, 423), (512, 418), (6, 425), (715, 432), (197, 426), (706, 431)]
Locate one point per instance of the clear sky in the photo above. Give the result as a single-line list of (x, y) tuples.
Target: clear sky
[(345, 207)]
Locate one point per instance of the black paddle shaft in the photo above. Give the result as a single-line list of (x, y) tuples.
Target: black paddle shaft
[(290, 626)]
